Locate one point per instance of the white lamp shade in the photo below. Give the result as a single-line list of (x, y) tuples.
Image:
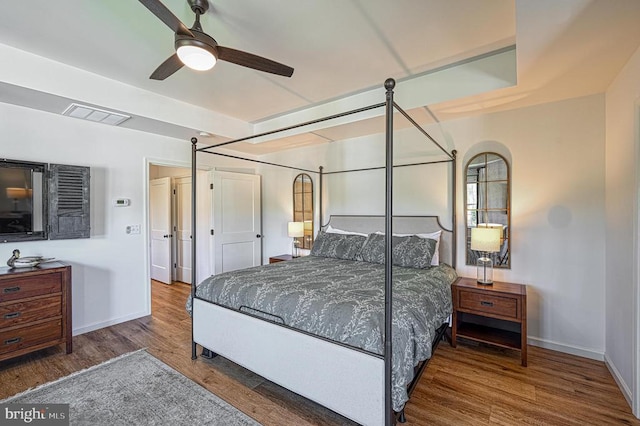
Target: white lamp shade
[(16, 193), (485, 239), (295, 229), (196, 57)]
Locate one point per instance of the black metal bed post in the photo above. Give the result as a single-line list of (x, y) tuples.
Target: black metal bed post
[(194, 142), (320, 176), (453, 207), (389, 84)]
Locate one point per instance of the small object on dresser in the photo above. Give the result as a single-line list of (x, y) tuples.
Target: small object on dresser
[(15, 261), (15, 255)]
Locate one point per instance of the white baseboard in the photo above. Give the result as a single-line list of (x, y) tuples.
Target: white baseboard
[(103, 324), (618, 378), (568, 349)]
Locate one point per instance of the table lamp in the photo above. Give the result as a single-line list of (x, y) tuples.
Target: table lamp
[(485, 240), (295, 230), (18, 194)]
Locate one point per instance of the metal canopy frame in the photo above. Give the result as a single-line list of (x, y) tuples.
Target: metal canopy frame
[(389, 105)]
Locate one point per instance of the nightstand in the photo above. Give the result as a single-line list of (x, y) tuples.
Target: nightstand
[(494, 314), (280, 258)]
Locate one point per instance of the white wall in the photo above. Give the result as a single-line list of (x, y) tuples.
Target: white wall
[(622, 123), (557, 209), (109, 269), (556, 152)]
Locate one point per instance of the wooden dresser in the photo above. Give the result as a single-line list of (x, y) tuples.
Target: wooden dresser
[(35, 308)]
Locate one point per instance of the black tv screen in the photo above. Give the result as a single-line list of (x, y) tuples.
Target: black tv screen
[(21, 200)]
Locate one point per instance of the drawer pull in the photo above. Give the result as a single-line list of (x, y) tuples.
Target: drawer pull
[(12, 341), (12, 315), (484, 303), (11, 289)]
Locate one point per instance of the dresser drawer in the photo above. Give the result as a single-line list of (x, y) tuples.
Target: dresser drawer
[(33, 310), (30, 286), (23, 337), (489, 304)]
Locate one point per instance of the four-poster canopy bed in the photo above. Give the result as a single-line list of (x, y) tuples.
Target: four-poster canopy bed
[(348, 368)]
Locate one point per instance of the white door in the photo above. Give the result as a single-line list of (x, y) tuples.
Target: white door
[(183, 229), (160, 229), (236, 221)]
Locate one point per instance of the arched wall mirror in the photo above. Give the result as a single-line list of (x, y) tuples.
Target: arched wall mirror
[(303, 208), (488, 204)]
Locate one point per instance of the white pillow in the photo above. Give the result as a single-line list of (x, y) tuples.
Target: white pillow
[(330, 230), (435, 260)]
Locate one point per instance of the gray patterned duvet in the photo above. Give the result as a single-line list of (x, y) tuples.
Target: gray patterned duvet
[(343, 300)]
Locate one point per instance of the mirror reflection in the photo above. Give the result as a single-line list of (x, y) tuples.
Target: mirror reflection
[(488, 204), (303, 208), (22, 204)]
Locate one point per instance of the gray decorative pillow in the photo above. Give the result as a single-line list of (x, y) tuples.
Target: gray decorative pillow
[(409, 251), (339, 246)]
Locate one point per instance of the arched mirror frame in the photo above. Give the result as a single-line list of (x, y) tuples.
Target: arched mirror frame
[(494, 186), (303, 208)]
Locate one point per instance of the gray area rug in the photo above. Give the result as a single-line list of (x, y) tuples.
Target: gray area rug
[(135, 389)]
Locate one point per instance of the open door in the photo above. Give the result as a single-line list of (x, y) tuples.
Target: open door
[(183, 229), (236, 221), (160, 229)]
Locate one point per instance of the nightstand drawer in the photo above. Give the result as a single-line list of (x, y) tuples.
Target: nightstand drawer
[(33, 310), (23, 337), (35, 285), (489, 304)]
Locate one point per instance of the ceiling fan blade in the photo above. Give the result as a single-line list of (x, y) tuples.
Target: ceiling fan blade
[(253, 61), (167, 68), (165, 15)]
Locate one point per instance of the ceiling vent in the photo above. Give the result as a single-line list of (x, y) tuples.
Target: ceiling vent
[(95, 114)]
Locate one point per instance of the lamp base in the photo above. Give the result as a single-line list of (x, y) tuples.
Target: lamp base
[(485, 270)]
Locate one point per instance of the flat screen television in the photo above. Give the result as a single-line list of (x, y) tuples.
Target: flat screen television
[(22, 201)]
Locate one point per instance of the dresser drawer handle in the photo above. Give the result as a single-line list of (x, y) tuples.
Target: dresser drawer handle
[(483, 303), (12, 315), (11, 289), (12, 341)]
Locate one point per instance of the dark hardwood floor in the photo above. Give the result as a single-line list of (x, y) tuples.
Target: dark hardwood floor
[(469, 385)]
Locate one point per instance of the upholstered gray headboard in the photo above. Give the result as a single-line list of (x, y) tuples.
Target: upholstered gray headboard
[(401, 225)]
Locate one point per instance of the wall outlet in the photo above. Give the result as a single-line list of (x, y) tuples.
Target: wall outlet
[(132, 229)]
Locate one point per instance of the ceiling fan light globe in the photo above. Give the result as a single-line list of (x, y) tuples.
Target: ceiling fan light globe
[(196, 57)]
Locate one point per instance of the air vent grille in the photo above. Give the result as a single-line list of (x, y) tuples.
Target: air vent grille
[(97, 115), (70, 192)]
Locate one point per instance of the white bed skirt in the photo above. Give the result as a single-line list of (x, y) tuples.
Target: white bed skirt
[(347, 381)]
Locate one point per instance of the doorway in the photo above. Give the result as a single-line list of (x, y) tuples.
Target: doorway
[(170, 224), (163, 177)]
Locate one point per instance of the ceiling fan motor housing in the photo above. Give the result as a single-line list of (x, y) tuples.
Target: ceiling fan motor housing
[(201, 40), (199, 6)]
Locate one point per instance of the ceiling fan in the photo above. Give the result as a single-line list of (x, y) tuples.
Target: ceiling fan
[(198, 50)]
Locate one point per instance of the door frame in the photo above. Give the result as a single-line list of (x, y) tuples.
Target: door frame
[(148, 162)]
